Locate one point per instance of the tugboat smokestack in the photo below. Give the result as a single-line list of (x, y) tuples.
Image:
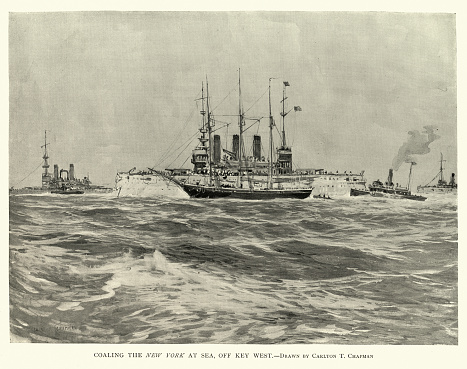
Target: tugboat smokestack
[(390, 177)]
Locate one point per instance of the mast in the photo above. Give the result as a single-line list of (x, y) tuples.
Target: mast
[(209, 132), (241, 123), (45, 175), (441, 169), (200, 154), (283, 114), (202, 139), (271, 124), (410, 174)]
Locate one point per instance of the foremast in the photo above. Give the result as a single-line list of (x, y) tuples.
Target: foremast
[(201, 156), (209, 125), (45, 176)]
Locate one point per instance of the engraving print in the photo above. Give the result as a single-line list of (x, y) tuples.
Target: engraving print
[(233, 177)]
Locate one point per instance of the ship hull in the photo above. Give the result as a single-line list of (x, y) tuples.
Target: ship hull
[(245, 194), (357, 192), (394, 193), (67, 192), (386, 193), (147, 185), (440, 190), (396, 196)]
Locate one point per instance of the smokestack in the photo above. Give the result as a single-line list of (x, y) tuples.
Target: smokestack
[(390, 177), (56, 172), (452, 182), (257, 147), (72, 172), (62, 176), (217, 148), (235, 146)]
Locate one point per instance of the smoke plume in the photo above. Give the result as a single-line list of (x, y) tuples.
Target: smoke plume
[(417, 144)]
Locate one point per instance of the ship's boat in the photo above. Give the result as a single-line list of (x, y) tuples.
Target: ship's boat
[(442, 186)]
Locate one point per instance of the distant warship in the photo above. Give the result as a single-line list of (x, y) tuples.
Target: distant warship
[(442, 186), (62, 181)]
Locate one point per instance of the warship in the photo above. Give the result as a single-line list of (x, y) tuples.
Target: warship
[(442, 186), (61, 181), (239, 166)]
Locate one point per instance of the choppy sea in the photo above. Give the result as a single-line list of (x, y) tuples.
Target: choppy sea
[(94, 268)]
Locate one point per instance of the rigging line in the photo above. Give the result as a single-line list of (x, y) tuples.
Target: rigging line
[(17, 183), (252, 118), (227, 136), (164, 156), (277, 129), (225, 97), (185, 161), (225, 125), (221, 121), (436, 176), (189, 140), (257, 121), (181, 152), (257, 100)]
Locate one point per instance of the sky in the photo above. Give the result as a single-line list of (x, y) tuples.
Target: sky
[(117, 90)]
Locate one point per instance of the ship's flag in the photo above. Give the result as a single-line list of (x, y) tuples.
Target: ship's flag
[(297, 108), (286, 83)]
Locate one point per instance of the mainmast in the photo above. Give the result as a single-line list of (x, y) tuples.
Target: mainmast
[(45, 175), (283, 114), (241, 123), (209, 133), (271, 124)]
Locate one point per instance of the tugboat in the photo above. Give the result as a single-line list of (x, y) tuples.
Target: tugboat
[(442, 186), (389, 190)]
